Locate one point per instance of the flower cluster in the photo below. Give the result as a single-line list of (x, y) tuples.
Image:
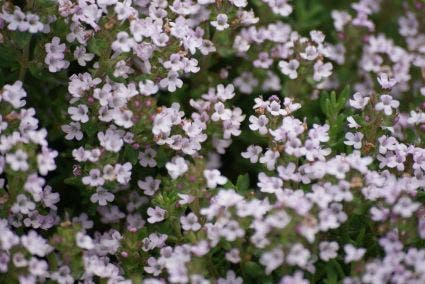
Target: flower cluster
[(212, 141)]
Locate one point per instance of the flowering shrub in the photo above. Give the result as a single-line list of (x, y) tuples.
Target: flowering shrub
[(212, 141)]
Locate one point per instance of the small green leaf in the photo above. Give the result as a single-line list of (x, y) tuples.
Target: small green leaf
[(22, 39), (130, 154), (98, 46), (242, 183)]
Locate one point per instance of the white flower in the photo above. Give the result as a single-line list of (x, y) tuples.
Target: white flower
[(79, 113), (252, 153), (231, 278), (73, 131), (190, 222), (171, 82), (149, 185), (23, 205), (272, 259), (354, 140), (84, 241), (221, 22), (147, 158), (110, 140), (352, 253), (259, 123), (46, 160), (386, 82), (82, 56), (123, 42), (386, 104), (221, 112), (352, 123), (102, 196), (185, 198), (239, 3), (310, 53), (359, 101), (35, 244), (123, 173), (322, 70), (269, 159), (13, 94), (328, 250), (225, 93), (148, 88), (94, 178), (156, 214), (298, 255), (214, 178), (289, 68), (177, 167), (18, 160)]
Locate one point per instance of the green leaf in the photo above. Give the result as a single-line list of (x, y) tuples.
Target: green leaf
[(331, 275), (130, 154), (22, 39), (343, 97), (91, 128), (162, 157), (242, 183), (98, 46), (252, 270), (73, 181), (8, 56)]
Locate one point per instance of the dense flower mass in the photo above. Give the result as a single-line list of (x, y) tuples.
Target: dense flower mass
[(212, 141)]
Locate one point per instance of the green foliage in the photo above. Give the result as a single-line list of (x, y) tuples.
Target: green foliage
[(333, 107)]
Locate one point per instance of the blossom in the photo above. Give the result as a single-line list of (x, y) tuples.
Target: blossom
[(14, 94), (272, 259), (111, 140), (221, 112), (102, 196), (190, 222), (259, 123), (387, 104), (289, 68), (79, 113), (18, 160), (354, 139), (269, 158), (328, 250), (148, 87), (359, 101), (94, 178), (123, 173), (149, 185), (214, 178), (35, 244), (123, 42), (231, 278), (177, 167), (167, 173), (352, 253), (82, 56), (84, 241), (171, 82), (298, 255), (156, 214), (73, 131), (322, 70), (386, 82), (221, 22), (252, 153)]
